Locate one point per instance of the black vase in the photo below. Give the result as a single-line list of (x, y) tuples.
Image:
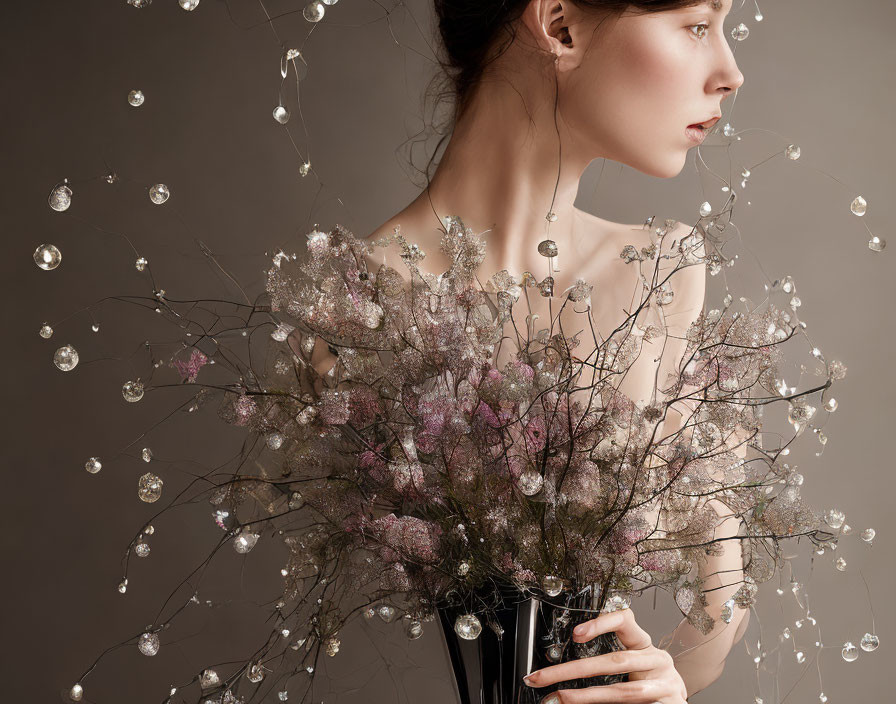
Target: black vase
[(516, 639)]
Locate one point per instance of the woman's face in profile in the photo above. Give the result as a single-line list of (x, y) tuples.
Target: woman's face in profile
[(643, 79)]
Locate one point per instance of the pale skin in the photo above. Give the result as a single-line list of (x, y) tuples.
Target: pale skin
[(625, 90)]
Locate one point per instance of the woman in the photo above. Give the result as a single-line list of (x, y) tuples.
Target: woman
[(542, 88)]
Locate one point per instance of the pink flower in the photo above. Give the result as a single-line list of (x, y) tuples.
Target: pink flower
[(190, 369), (245, 408), (407, 536)]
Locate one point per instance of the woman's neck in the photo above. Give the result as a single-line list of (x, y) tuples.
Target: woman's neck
[(499, 173)]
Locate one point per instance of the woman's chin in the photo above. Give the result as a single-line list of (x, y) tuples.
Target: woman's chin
[(668, 166)]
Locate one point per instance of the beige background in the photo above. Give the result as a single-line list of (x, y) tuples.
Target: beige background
[(817, 73)]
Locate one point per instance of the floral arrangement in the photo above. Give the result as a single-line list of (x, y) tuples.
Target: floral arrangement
[(415, 472)]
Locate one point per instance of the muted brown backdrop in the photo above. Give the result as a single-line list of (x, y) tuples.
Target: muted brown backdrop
[(818, 73)]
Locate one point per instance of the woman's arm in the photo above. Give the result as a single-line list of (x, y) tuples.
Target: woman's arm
[(700, 658)]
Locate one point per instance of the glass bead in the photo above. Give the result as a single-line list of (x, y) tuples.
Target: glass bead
[(303, 169), (148, 644), (551, 217), (386, 613), (66, 358), (159, 193), (547, 248), (869, 642), (255, 673), (705, 209), (868, 534), (188, 5), (831, 405), (123, 586), (93, 465), (146, 454), (758, 700), (369, 613), (46, 331), (283, 695), (740, 32), (468, 627), (840, 564), (849, 652), (149, 488), (60, 198), (859, 206), (281, 114), (554, 652), (139, 4), (208, 679), (727, 611), (332, 646), (414, 629), (530, 482), (274, 440), (136, 98), (728, 131), (834, 518), (877, 244), (822, 698), (244, 542), (793, 152), (142, 549), (314, 11), (132, 391), (47, 257), (463, 568), (140, 264), (800, 657), (76, 693), (552, 585)]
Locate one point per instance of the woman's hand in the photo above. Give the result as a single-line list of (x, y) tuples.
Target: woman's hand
[(651, 672)]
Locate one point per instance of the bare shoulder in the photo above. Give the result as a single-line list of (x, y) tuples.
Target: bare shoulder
[(681, 253)]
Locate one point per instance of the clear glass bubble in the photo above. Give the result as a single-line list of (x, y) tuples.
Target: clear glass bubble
[(66, 358), (244, 542), (60, 198), (869, 642), (132, 391), (859, 206), (149, 488), (148, 644), (705, 210), (281, 114), (552, 585), (47, 257), (530, 482), (849, 652), (46, 331), (188, 5), (414, 629), (877, 244), (468, 627), (868, 534), (793, 152), (159, 193), (142, 549), (314, 11), (140, 264), (93, 465), (136, 98), (740, 32)]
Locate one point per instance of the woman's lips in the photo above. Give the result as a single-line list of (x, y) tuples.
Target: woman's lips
[(696, 133)]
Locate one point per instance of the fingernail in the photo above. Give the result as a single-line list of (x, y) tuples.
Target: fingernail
[(528, 679), (551, 699), (579, 630)]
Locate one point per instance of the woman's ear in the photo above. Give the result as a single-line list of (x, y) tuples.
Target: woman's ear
[(557, 28)]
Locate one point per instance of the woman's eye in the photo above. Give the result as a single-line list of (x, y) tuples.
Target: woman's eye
[(702, 29)]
